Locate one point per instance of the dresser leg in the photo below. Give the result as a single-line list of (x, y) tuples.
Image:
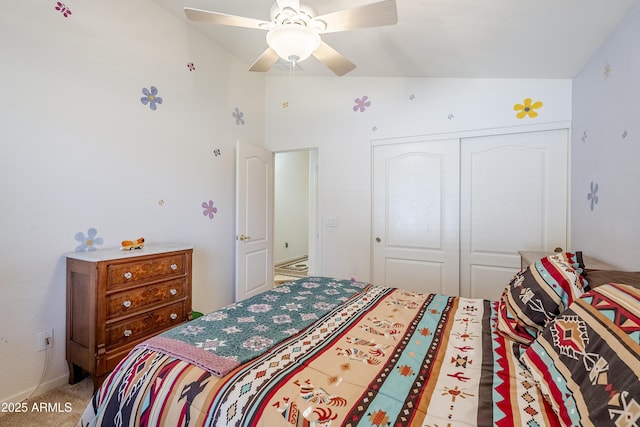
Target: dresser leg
[(76, 373)]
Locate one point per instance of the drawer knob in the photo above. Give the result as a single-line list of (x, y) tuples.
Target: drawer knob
[(128, 275), (127, 332), (173, 316), (173, 291), (127, 304), (174, 266)]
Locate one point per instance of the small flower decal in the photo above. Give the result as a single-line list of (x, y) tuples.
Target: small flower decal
[(450, 116), (285, 104), (239, 116), (607, 70), (88, 243), (527, 109), (62, 8), (191, 66), (584, 137), (362, 104), (593, 195), (209, 209), (150, 97), (217, 152), (625, 134), (412, 97)]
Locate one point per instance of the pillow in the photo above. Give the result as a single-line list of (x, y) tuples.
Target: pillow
[(585, 362), (537, 294), (596, 278)]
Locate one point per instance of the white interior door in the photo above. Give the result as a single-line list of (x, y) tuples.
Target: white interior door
[(416, 216), (513, 197), (254, 220)]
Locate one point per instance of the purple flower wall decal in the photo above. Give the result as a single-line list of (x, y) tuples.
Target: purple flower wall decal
[(150, 97), (362, 104), (209, 209)]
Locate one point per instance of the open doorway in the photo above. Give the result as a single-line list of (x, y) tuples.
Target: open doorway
[(295, 215)]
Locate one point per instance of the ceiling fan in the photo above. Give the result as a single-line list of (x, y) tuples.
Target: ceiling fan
[(294, 30)]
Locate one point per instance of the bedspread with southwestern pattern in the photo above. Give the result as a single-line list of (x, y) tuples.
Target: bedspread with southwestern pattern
[(385, 357)]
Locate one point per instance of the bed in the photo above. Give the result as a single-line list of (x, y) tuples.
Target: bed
[(318, 351)]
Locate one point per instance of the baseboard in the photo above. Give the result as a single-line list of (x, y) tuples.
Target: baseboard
[(43, 388)]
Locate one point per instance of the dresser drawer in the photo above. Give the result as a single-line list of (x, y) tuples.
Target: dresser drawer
[(150, 269), (136, 299), (145, 324)]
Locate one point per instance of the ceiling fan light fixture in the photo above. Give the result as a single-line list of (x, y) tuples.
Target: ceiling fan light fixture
[(293, 42)]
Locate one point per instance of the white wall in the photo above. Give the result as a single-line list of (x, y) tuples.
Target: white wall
[(606, 149), (305, 112), (291, 206), (80, 150)]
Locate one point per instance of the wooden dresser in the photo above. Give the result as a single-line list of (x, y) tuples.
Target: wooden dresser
[(117, 299)]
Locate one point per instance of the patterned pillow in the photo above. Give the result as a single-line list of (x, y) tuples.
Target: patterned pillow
[(586, 361), (537, 294)]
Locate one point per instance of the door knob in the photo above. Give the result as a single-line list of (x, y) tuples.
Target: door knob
[(242, 237), (378, 239)]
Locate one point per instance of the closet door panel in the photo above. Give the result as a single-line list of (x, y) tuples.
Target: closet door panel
[(415, 216), (513, 196)]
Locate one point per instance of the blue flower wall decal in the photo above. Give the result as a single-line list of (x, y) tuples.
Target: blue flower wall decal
[(593, 195), (239, 116), (151, 97), (89, 242)]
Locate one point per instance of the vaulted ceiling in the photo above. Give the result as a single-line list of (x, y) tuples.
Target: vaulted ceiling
[(439, 38)]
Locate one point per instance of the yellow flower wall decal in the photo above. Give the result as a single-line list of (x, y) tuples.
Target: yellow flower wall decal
[(527, 109)]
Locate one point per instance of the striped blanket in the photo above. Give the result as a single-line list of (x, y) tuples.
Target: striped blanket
[(384, 357)]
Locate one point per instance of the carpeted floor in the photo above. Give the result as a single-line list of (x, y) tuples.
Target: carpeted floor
[(61, 407)]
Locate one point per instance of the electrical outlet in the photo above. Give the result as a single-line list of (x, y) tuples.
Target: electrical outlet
[(44, 340)]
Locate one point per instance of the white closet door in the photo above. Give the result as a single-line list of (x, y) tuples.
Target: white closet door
[(416, 216), (513, 197)]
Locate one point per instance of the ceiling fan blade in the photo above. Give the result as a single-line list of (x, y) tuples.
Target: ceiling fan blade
[(224, 19), (369, 15), (333, 60), (265, 61)]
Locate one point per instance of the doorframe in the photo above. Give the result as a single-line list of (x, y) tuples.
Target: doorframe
[(313, 229)]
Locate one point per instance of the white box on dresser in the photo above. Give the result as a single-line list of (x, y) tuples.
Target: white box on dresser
[(117, 299)]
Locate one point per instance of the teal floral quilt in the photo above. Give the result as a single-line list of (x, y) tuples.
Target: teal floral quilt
[(224, 339)]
